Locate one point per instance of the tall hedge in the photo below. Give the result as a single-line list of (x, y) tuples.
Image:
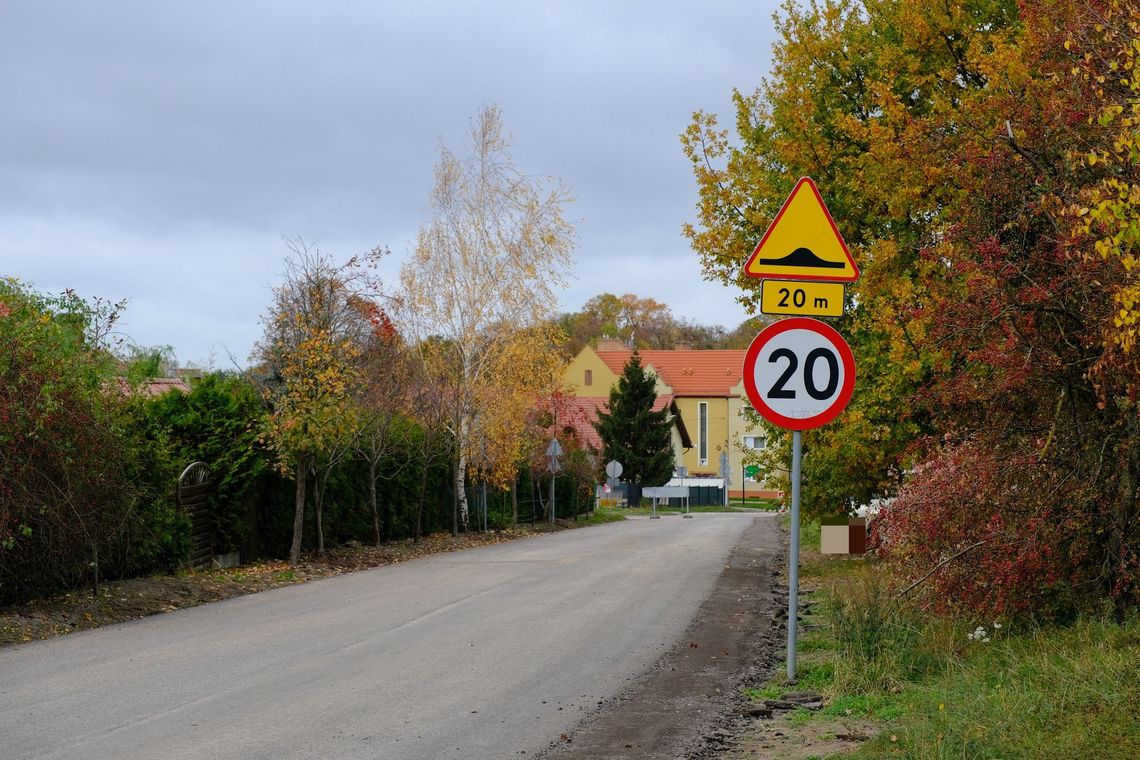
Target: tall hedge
[(72, 505)]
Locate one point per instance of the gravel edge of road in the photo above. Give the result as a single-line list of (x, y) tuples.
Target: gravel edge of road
[(690, 703)]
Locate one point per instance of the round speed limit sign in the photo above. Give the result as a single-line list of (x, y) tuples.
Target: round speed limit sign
[(799, 373)]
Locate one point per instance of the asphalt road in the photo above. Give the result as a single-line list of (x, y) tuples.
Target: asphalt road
[(488, 653)]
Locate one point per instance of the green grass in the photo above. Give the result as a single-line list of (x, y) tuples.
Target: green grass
[(800, 715), (772, 691), (809, 531), (1051, 693), (642, 511), (814, 675), (881, 707), (815, 644), (709, 508), (1032, 693), (602, 516)]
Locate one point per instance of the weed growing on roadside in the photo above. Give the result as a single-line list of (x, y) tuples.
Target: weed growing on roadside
[(1054, 692), (601, 516), (772, 691), (880, 644), (878, 706), (944, 688)]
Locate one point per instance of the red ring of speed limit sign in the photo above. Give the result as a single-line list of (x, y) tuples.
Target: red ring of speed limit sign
[(800, 344)]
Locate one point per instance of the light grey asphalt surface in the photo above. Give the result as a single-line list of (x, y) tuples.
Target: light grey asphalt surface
[(487, 653)]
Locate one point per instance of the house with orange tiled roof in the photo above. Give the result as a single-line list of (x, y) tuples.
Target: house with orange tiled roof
[(152, 387), (703, 389)]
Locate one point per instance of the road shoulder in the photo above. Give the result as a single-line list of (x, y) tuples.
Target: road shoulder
[(690, 704)]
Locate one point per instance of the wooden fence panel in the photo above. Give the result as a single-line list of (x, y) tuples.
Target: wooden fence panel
[(195, 487)]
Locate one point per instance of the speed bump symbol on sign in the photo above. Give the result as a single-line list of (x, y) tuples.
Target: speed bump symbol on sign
[(803, 243), (799, 373)]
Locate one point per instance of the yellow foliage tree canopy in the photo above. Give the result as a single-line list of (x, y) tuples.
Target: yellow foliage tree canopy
[(482, 278), (980, 159)]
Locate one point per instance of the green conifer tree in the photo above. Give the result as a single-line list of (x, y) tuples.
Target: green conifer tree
[(635, 435)]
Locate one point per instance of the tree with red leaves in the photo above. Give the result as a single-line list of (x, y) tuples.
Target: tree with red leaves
[(981, 159)]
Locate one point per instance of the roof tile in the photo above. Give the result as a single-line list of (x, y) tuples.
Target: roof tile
[(688, 372), (583, 412)]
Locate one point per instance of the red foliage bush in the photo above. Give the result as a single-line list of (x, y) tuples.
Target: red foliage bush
[(999, 524)]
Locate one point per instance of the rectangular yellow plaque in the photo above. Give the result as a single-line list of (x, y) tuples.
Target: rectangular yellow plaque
[(801, 298)]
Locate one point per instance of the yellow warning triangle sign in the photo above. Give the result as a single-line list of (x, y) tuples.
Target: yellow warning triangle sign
[(803, 243)]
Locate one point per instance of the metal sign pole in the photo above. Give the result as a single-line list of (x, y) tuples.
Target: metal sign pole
[(725, 474), (794, 555), (554, 450), (803, 224)]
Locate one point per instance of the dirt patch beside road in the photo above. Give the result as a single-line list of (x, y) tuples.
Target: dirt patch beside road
[(690, 705)]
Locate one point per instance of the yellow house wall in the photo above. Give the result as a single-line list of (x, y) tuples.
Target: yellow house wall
[(678, 447), (726, 427), (575, 375), (603, 378), (718, 433), (660, 388), (738, 428)]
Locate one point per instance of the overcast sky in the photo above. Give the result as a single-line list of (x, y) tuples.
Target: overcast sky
[(159, 151)]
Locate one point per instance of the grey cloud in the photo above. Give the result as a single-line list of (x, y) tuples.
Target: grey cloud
[(211, 129)]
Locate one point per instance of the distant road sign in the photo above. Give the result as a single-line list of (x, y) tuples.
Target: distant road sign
[(800, 298), (802, 242), (799, 373), (614, 469)]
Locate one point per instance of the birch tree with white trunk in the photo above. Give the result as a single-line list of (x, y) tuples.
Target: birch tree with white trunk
[(486, 266)]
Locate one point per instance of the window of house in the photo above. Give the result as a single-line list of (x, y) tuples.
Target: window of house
[(755, 442), (589, 377), (703, 431)]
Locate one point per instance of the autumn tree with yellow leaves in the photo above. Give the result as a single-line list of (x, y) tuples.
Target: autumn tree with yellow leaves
[(980, 159), (528, 369), (309, 368), (484, 271)]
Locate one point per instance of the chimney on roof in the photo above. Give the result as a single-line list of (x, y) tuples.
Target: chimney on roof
[(610, 344), (682, 347), (189, 373)]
